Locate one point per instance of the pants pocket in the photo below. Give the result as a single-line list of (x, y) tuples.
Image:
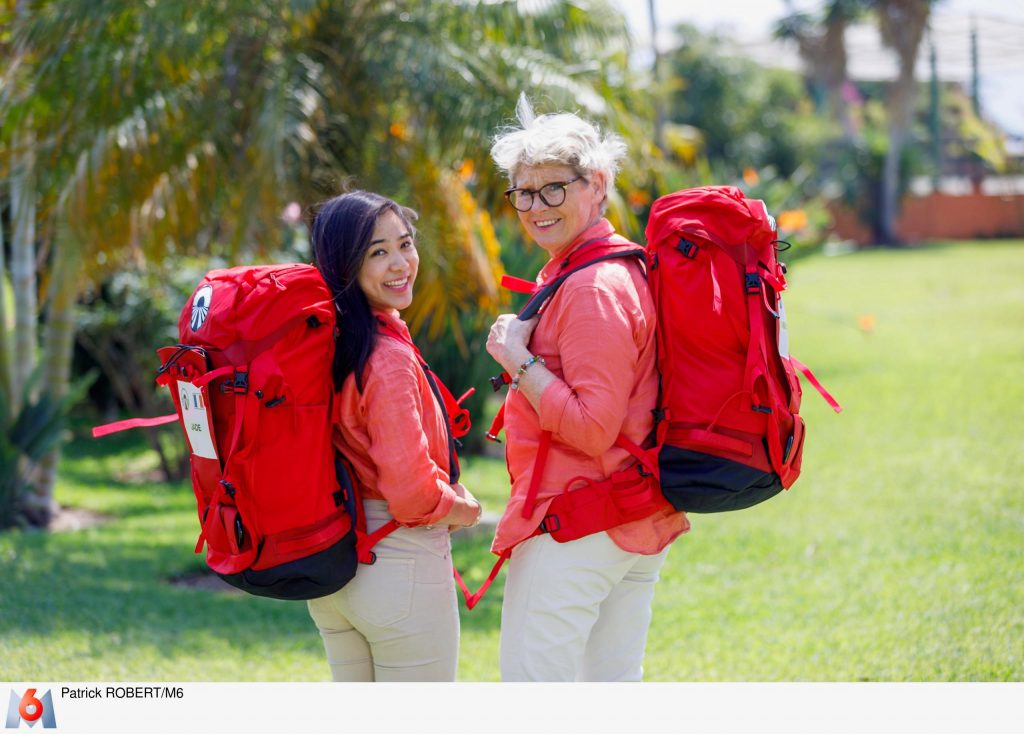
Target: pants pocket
[(381, 594)]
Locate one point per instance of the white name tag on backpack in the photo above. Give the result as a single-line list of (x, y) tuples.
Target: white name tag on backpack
[(783, 331), (196, 420)]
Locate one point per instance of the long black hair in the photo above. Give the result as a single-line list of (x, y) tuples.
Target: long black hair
[(341, 234)]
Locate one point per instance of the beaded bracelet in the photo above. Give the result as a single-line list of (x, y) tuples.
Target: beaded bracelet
[(522, 370)]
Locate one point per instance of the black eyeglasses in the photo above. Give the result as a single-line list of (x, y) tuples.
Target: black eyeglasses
[(552, 194)]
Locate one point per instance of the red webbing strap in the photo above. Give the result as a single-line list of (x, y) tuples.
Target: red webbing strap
[(755, 350), (208, 377), (641, 455), (210, 517), (236, 437), (660, 335), (517, 285), (458, 417), (757, 354), (129, 423), (116, 426), (529, 503), (279, 547), (496, 425), (236, 434), (806, 371), (710, 439), (366, 541), (472, 599)]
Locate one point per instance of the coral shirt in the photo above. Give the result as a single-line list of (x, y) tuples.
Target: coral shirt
[(596, 334), (394, 433)]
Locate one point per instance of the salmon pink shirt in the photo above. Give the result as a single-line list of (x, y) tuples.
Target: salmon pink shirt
[(596, 334), (394, 433)]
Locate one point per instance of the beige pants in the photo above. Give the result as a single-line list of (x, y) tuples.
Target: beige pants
[(576, 611), (398, 619)]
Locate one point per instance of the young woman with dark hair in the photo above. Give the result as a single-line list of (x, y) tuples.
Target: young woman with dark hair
[(397, 620)]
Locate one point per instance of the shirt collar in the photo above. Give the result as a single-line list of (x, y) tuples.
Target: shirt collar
[(392, 319), (601, 229)]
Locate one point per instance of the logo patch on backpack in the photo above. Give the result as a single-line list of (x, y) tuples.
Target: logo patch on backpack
[(201, 307)]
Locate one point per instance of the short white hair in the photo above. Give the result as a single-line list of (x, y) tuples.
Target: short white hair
[(562, 138)]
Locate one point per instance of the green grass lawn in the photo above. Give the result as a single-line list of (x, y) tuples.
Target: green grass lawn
[(898, 555)]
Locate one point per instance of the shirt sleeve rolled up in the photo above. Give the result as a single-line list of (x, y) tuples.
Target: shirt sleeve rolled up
[(415, 486)]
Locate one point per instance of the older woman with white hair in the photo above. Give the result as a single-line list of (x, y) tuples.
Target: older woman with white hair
[(584, 385)]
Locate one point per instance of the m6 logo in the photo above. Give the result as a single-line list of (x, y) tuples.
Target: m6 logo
[(30, 710)]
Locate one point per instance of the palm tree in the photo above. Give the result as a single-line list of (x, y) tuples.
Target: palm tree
[(902, 24), (161, 128), (822, 47)]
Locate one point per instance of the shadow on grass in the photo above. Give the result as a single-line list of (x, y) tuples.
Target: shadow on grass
[(112, 583), (115, 582)]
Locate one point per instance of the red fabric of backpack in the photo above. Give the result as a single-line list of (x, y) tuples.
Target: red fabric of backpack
[(251, 381), (252, 386), (730, 391)]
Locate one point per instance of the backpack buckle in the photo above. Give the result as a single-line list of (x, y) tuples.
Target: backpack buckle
[(687, 248), (550, 524), (239, 385), (752, 283)]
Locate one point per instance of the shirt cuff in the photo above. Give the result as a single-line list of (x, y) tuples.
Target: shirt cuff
[(444, 505)]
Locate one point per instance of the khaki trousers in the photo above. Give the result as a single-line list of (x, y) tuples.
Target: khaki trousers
[(398, 619), (577, 610)]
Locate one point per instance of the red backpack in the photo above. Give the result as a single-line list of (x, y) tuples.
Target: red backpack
[(730, 395), (251, 382), (727, 431)]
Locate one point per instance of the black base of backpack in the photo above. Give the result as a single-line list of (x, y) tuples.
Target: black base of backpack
[(311, 577), (698, 482)]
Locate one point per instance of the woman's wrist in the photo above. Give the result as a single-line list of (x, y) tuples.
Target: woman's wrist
[(524, 367), (516, 359), (465, 513)]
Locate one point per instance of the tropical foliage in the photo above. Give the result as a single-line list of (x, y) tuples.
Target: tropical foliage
[(141, 132)]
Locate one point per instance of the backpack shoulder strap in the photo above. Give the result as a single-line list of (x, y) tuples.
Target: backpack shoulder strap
[(600, 254)]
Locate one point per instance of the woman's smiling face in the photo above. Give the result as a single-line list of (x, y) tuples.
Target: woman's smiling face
[(390, 264), (555, 227)]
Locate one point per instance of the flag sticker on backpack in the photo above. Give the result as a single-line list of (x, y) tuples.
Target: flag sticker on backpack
[(201, 307), (196, 420)]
